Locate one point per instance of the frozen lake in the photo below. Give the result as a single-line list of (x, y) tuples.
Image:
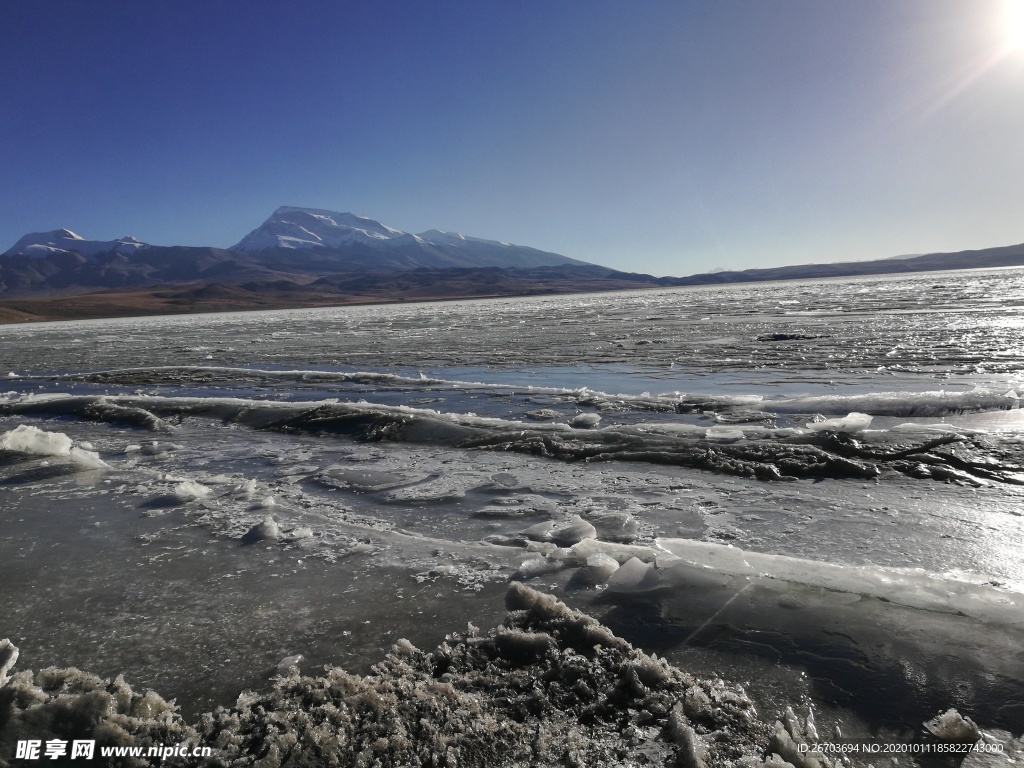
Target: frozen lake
[(812, 488)]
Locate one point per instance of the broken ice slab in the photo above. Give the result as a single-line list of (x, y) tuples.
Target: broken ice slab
[(964, 594)]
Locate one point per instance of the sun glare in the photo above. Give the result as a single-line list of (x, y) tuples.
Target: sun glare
[(1013, 25)]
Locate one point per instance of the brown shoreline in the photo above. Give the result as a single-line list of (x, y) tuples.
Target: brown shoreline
[(176, 300)]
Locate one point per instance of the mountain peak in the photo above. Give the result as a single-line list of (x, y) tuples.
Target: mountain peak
[(361, 242), (56, 241), (311, 228)]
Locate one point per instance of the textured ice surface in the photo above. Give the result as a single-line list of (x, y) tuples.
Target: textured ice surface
[(549, 686), (824, 449), (418, 456), (966, 323)]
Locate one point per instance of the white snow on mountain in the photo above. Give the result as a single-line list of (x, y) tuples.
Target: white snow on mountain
[(42, 244), (307, 228), (311, 228), (455, 238), (345, 240)]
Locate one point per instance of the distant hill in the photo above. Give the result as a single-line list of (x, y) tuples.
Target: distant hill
[(1006, 256), (332, 290)]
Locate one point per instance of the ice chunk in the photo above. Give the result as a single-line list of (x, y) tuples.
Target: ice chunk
[(542, 414), (542, 547), (32, 440), (572, 532), (244, 490), (539, 532), (89, 459), (37, 442), (300, 533), (614, 526), (792, 740), (8, 658), (289, 665), (156, 448), (267, 528), (853, 422), (723, 433), (538, 566), (600, 567), (693, 750), (620, 552), (404, 648), (952, 726), (504, 510), (190, 490), (969, 594), (585, 421), (635, 576), (723, 558)]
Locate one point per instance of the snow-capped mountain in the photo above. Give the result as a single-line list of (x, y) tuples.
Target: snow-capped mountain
[(307, 228), (360, 243), (42, 244), (294, 244)]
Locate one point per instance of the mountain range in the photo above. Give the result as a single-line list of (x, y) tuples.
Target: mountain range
[(297, 244), (314, 257)]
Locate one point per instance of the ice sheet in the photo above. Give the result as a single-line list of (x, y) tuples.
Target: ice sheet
[(961, 594)]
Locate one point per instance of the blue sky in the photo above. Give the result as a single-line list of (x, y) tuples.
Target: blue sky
[(663, 137)]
